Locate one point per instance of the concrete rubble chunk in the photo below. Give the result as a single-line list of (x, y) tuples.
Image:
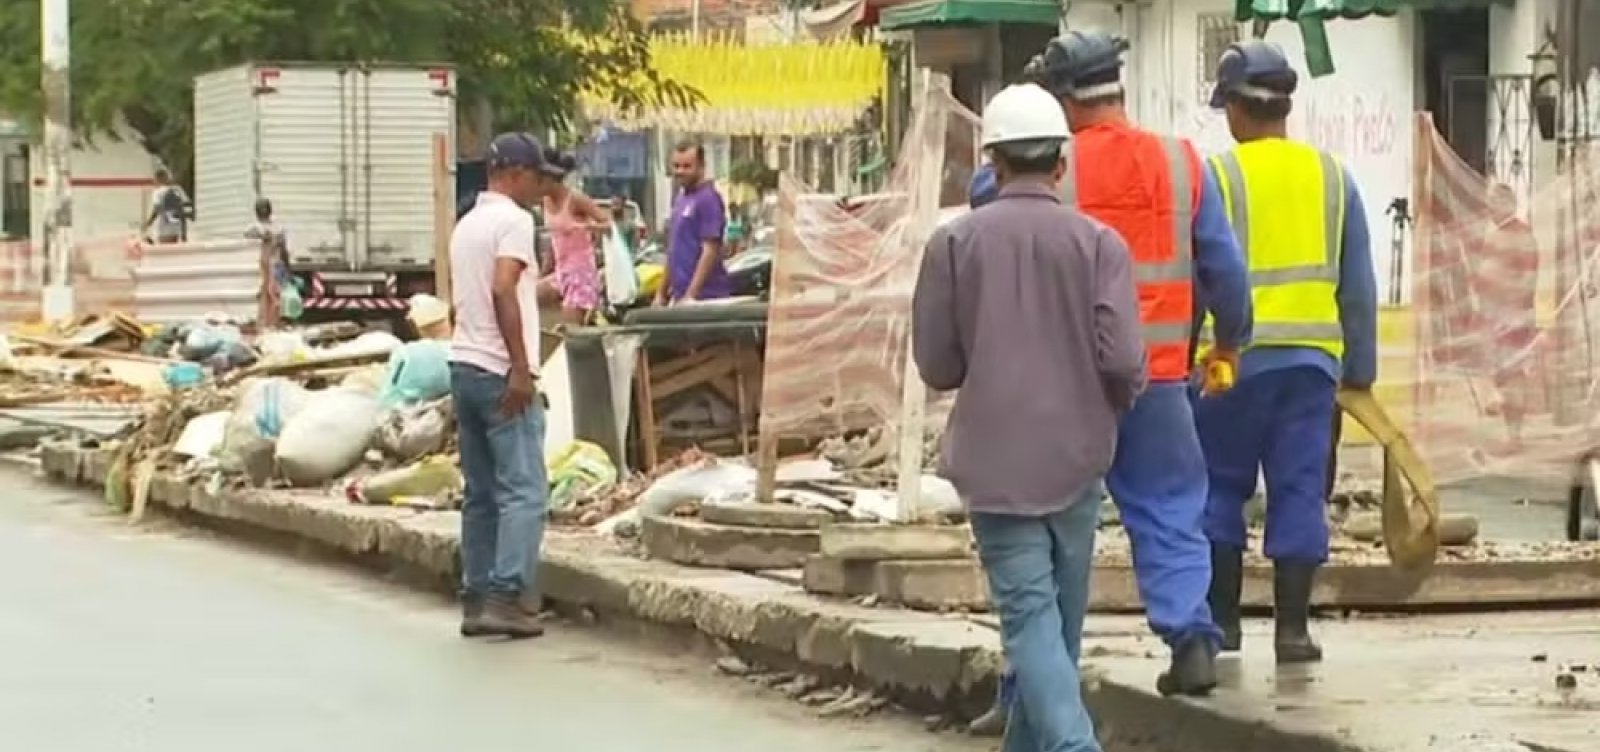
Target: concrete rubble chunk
[(703, 544), (752, 514), (933, 584), (829, 576), (877, 542)]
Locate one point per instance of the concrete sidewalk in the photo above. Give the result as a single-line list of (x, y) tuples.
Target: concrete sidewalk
[(1457, 684)]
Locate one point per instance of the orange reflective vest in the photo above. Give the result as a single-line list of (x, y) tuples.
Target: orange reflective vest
[(1145, 187)]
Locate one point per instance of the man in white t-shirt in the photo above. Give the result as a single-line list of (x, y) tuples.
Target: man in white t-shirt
[(493, 368)]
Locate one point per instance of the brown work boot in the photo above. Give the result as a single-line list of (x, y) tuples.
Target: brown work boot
[(503, 616), (472, 616)]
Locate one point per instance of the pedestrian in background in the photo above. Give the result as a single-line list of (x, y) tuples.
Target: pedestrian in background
[(572, 219), (1028, 307), (493, 375), (695, 269), (278, 284), (170, 210), (1301, 223)]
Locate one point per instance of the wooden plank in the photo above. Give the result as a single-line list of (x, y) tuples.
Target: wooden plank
[(668, 369), (649, 434), (444, 215), (693, 377), (782, 289)]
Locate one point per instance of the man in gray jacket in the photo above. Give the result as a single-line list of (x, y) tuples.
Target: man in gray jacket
[(1028, 307)]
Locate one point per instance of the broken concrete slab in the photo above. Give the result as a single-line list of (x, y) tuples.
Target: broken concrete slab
[(753, 514), (829, 576), (933, 584), (684, 540), (877, 542)]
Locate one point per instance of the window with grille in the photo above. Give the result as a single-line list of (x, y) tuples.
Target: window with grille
[(1215, 33)]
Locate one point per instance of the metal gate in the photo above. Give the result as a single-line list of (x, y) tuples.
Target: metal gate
[(1494, 113)]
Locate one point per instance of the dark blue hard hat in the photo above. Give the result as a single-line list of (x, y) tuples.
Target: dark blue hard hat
[(1244, 64), (1079, 64)]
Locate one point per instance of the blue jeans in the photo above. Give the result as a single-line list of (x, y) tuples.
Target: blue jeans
[(1038, 570), (502, 461)]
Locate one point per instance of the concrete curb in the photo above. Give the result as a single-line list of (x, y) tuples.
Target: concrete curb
[(927, 662)]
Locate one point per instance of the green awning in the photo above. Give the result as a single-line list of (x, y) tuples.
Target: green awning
[(956, 12), (1311, 15), (1272, 10)]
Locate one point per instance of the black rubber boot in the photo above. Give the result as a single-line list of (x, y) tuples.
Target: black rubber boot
[(1227, 577), (1291, 600), (1193, 671)]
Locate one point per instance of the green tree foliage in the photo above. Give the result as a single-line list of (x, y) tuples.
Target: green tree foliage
[(135, 60)]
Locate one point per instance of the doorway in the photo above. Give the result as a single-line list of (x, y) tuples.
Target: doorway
[(1456, 82)]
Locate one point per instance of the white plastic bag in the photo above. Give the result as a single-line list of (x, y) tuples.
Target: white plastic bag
[(282, 347), (622, 283), (248, 440), (328, 437), (408, 432), (713, 480)]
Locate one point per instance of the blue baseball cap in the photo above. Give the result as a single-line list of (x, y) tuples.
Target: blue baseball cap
[(516, 150), (1247, 61)]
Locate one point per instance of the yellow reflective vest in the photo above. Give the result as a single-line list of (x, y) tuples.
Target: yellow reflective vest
[(1286, 203)]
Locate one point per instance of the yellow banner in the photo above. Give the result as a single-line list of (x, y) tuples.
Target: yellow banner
[(799, 89)]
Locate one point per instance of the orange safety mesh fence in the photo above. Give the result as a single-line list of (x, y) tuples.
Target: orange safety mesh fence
[(1504, 343), (102, 277), (842, 280)]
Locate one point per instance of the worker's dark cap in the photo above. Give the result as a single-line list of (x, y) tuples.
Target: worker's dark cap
[(1242, 67), (1081, 65), (516, 150)]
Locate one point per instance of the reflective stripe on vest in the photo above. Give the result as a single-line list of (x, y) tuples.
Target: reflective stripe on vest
[(1295, 304), (1162, 338)]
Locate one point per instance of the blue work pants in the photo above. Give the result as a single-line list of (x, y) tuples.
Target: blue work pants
[(502, 462), (1158, 481), (1038, 570), (1280, 423)]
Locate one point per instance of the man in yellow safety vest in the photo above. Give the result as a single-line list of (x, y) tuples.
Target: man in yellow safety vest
[(1300, 222)]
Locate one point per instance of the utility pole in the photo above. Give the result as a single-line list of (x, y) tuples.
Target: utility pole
[(56, 302)]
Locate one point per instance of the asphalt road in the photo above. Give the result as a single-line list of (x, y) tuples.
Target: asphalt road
[(116, 638)]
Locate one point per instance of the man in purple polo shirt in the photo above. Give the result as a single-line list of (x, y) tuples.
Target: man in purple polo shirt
[(694, 236)]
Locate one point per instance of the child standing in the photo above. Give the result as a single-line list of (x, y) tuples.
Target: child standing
[(572, 219)]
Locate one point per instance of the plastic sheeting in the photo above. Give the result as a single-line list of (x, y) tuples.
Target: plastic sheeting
[(840, 314), (1493, 367)]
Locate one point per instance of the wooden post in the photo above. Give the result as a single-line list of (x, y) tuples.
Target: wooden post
[(911, 421), (444, 212), (782, 290)]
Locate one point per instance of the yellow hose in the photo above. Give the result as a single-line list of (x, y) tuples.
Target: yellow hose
[(1410, 535)]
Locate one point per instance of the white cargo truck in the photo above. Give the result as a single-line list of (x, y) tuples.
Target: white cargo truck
[(345, 154)]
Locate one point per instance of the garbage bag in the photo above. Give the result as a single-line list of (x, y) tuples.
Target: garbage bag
[(411, 431), (258, 418), (368, 380), (580, 467), (418, 372), (434, 480), (327, 438), (622, 282), (710, 480), (290, 305), (206, 340), (278, 348), (369, 343)]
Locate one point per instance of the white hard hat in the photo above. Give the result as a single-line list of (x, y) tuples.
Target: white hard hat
[(427, 310), (1023, 112)]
